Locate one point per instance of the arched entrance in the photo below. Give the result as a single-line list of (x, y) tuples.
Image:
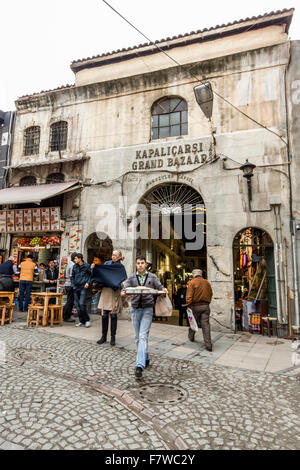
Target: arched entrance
[(254, 278), (98, 249), (173, 254)]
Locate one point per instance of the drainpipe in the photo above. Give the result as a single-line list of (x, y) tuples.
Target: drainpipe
[(277, 271), (295, 269)]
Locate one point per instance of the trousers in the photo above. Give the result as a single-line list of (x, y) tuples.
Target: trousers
[(69, 304), (80, 302), (202, 313), (25, 288), (141, 320)]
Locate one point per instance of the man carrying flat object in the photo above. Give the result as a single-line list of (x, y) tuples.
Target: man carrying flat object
[(198, 297), (142, 311)]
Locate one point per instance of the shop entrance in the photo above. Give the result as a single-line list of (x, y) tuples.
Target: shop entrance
[(173, 258), (98, 249), (254, 279)]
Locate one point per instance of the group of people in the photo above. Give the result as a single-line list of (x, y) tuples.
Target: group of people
[(113, 279), (26, 271)]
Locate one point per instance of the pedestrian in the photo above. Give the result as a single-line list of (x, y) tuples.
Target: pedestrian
[(7, 269), (142, 311), (110, 300), (51, 275), (181, 303), (27, 270), (68, 307), (80, 280), (198, 297)]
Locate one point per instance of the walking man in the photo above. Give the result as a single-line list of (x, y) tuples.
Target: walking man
[(67, 311), (80, 279), (142, 311), (27, 270), (198, 297)]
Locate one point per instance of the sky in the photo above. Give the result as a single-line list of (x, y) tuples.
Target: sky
[(40, 39)]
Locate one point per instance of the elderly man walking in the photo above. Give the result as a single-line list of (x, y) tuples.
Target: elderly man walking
[(198, 297)]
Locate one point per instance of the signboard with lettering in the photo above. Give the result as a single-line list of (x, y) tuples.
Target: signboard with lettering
[(44, 219)]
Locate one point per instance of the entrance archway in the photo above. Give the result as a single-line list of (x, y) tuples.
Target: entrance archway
[(98, 249), (174, 257), (254, 278)]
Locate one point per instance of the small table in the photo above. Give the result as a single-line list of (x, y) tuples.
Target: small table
[(46, 296)]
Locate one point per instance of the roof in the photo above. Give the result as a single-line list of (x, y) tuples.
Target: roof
[(215, 32), (33, 194)]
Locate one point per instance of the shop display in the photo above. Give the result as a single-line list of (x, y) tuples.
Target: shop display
[(251, 280), (42, 219)]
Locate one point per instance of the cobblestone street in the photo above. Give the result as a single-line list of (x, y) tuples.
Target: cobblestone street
[(59, 392)]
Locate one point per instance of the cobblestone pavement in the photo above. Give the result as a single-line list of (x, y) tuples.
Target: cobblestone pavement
[(58, 392)]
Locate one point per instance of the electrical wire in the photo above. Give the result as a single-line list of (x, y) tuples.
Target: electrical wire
[(195, 76)]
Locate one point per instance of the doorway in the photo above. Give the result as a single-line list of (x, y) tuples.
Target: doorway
[(173, 254), (254, 279)]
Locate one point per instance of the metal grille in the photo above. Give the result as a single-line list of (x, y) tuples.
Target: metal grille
[(32, 140), (169, 118), (58, 137)]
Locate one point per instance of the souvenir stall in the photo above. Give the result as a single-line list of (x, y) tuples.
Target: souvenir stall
[(254, 290)]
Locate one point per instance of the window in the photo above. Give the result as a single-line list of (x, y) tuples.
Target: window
[(28, 181), (169, 118), (55, 178), (32, 140), (58, 136)]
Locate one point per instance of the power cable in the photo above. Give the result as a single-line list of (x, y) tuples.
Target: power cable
[(195, 76)]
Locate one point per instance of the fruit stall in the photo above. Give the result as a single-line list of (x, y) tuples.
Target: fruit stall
[(44, 248)]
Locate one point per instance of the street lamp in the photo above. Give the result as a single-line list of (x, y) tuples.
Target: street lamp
[(204, 97)]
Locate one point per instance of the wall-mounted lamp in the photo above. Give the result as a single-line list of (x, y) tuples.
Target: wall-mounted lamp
[(247, 169)]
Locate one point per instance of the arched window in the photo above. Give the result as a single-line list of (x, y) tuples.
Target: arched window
[(28, 181), (55, 178), (169, 118), (32, 140), (58, 136)]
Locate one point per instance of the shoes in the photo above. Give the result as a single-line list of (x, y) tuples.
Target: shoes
[(147, 362), (102, 340), (113, 341), (79, 324), (88, 324), (138, 372), (209, 349), (191, 335)]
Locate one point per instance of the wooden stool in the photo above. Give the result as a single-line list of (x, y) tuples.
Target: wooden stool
[(56, 315), (266, 326), (33, 317)]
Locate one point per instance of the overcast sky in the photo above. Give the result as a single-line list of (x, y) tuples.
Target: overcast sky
[(40, 38)]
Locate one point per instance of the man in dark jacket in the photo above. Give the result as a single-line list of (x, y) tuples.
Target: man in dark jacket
[(81, 277), (7, 270), (51, 276), (142, 311)]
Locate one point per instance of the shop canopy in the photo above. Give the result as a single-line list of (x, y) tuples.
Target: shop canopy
[(34, 194)]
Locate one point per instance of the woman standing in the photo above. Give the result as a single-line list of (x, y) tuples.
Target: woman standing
[(111, 303)]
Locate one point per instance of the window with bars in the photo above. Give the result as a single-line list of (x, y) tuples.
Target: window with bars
[(169, 118), (32, 140), (58, 136), (28, 181), (55, 178)]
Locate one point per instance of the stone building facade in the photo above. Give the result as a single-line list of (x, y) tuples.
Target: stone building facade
[(120, 155)]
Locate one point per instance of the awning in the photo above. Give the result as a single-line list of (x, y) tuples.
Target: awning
[(34, 194)]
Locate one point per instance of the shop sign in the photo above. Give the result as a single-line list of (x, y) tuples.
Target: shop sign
[(75, 239), (42, 219), (170, 156)]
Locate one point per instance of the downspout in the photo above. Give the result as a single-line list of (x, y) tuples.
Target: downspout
[(292, 220), (277, 271)]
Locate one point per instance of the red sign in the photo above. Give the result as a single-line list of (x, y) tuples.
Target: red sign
[(43, 219)]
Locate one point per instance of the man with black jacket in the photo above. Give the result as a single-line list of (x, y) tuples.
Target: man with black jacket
[(80, 280), (142, 311)]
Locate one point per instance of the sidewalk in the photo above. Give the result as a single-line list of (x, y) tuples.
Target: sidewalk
[(242, 351)]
